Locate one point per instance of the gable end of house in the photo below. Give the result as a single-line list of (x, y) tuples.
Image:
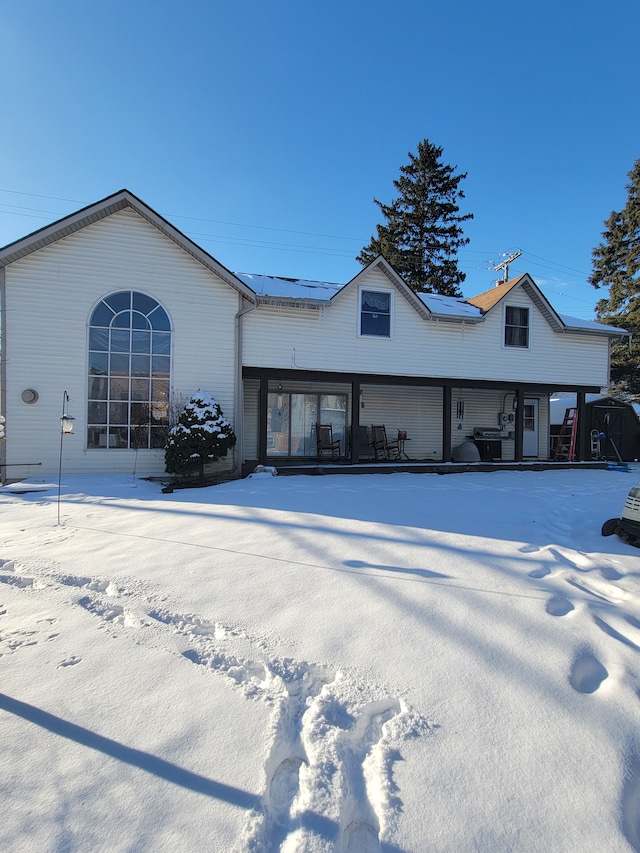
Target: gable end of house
[(107, 207)]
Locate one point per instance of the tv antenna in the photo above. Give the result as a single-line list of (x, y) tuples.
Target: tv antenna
[(504, 265)]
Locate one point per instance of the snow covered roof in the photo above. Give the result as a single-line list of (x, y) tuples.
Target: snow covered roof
[(577, 324), (289, 288), (298, 288), (449, 306)]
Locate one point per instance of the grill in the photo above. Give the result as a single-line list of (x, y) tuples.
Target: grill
[(487, 434)]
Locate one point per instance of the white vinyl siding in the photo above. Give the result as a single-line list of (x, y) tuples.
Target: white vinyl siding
[(417, 411), (419, 347), (251, 392), (481, 409), (46, 338)]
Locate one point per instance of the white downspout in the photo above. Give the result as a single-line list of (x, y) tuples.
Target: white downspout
[(239, 413), (3, 371)]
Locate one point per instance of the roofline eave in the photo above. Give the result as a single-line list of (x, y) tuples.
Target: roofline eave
[(61, 228)]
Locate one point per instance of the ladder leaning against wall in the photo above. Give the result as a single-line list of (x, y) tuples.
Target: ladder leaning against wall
[(566, 446)]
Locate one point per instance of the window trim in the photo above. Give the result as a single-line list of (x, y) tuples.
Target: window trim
[(139, 303), (506, 326), (289, 394), (369, 289)]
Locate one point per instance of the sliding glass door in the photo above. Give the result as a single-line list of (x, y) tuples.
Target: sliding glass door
[(292, 419)]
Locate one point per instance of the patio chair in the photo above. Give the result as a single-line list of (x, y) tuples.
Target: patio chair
[(325, 444), (382, 448), (364, 443), (365, 450)]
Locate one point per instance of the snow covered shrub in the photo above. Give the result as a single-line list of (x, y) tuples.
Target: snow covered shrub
[(202, 435)]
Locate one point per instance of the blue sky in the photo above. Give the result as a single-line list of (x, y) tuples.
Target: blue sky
[(263, 130)]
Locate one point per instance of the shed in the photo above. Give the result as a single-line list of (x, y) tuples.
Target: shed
[(620, 425)]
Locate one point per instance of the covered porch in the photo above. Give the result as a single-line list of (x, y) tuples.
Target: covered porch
[(433, 416)]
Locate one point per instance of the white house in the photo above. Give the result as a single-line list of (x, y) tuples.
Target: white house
[(117, 311)]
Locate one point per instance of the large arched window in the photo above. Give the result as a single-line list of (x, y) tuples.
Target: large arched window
[(129, 372)]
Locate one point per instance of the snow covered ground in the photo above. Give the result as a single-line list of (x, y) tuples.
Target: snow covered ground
[(342, 663)]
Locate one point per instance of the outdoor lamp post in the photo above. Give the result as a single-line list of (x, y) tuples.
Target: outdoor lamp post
[(66, 428)]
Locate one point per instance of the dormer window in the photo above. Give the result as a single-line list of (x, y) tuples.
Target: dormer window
[(375, 313), (516, 327)]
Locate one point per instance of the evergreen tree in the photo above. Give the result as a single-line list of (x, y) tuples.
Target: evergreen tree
[(422, 232), (202, 435), (616, 265)]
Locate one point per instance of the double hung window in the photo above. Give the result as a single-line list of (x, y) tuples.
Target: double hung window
[(516, 326), (375, 313)]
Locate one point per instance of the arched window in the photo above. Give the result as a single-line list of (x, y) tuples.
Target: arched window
[(129, 372)]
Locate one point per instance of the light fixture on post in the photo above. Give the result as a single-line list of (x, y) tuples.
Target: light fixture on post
[(66, 428)]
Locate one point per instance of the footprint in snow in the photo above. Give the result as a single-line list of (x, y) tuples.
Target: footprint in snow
[(330, 765), (587, 673), (361, 837), (610, 574), (542, 572), (284, 785), (72, 661), (558, 605), (15, 580), (14, 640), (72, 580)]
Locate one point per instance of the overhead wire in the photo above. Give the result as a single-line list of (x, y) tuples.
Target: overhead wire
[(464, 262)]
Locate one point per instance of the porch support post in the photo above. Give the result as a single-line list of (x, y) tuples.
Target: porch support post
[(355, 422), (262, 420), (446, 423), (582, 438), (519, 443)]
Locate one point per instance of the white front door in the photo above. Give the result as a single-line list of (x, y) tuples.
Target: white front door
[(530, 440)]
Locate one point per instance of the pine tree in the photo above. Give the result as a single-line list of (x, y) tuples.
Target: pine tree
[(616, 265), (422, 232), (202, 435)]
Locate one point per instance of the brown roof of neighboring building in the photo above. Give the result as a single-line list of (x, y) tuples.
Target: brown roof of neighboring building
[(485, 301)]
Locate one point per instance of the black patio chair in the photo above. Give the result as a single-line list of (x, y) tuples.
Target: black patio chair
[(382, 448), (326, 446)]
